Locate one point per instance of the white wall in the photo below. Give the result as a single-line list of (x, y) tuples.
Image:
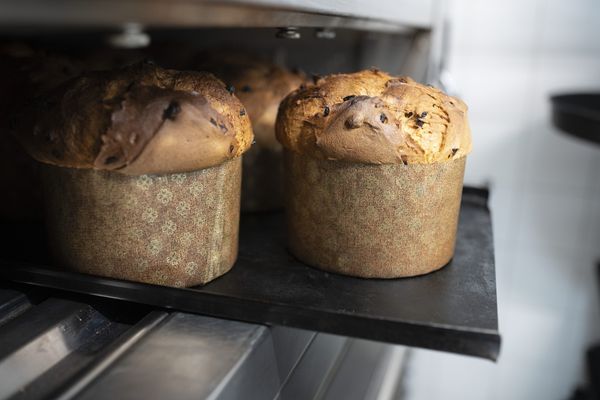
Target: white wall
[(506, 58)]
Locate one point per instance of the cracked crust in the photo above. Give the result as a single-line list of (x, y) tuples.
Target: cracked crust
[(138, 120), (373, 118)]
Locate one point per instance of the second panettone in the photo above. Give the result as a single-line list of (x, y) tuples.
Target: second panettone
[(141, 173), (260, 85), (374, 167)]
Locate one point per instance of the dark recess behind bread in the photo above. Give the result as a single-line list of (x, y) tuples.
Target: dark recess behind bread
[(175, 48)]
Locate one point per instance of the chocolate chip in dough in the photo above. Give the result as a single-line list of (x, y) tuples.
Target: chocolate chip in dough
[(349, 97), (242, 112), (352, 122), (408, 114), (383, 118), (420, 123), (213, 121), (423, 114), (326, 111), (171, 111), (111, 160), (231, 89), (454, 151)]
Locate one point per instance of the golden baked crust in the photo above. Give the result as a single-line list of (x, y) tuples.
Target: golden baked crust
[(141, 119), (374, 118), (259, 84)]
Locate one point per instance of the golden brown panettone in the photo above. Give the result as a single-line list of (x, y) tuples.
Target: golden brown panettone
[(260, 85), (373, 169), (141, 173), (137, 120), (374, 118)]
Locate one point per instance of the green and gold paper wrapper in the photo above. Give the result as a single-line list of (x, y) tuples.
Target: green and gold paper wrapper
[(372, 221), (175, 229)]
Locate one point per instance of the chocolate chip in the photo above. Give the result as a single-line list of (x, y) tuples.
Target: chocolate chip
[(420, 123), (242, 112), (351, 123), (454, 151), (302, 86), (326, 111), (223, 128), (246, 89), (171, 111), (111, 160), (231, 148), (383, 118), (423, 114), (230, 89), (212, 121), (349, 97), (316, 78), (404, 160), (408, 114)]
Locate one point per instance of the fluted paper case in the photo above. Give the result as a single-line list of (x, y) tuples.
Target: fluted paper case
[(174, 229), (372, 221)]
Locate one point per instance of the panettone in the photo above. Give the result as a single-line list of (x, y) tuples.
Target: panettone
[(260, 85), (374, 170), (141, 173)]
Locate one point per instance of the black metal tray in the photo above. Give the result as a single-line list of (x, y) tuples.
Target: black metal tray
[(453, 309), (578, 115)]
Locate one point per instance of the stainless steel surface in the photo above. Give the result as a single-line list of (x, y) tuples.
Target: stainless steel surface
[(311, 375), (366, 365), (388, 15), (362, 361), (112, 353), (290, 344), (191, 356), (39, 339), (67, 349), (389, 387), (12, 303)]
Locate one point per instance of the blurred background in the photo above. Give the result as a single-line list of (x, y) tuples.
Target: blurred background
[(506, 59)]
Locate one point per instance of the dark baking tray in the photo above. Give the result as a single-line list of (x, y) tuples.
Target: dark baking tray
[(453, 309), (578, 115)]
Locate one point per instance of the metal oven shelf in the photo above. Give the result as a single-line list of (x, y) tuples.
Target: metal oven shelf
[(453, 309)]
